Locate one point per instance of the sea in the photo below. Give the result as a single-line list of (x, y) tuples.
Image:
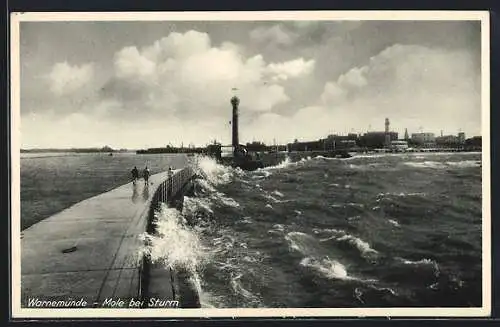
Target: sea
[(381, 230)]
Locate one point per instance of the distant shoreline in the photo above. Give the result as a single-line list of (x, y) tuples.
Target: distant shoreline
[(82, 150)]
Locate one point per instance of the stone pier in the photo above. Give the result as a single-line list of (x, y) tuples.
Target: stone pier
[(92, 250)]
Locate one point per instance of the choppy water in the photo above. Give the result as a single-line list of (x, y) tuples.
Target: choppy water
[(369, 231)]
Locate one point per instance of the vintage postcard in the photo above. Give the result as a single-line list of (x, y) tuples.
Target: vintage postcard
[(250, 164)]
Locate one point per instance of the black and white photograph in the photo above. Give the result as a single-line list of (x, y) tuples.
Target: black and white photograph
[(227, 164)]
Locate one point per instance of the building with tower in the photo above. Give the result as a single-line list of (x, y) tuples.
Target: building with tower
[(378, 140)]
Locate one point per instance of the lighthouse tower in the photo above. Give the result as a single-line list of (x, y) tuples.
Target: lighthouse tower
[(235, 101)]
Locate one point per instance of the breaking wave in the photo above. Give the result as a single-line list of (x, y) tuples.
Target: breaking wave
[(283, 164), (175, 245), (329, 268), (362, 246), (214, 173), (443, 165)]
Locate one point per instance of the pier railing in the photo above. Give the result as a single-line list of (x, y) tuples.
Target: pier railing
[(157, 281), (174, 184)]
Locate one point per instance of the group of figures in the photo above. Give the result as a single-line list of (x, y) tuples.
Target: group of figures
[(145, 175)]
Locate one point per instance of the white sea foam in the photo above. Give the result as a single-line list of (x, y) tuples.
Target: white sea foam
[(278, 193), (245, 220), (325, 158), (418, 262), (207, 299), (279, 227), (204, 185), (176, 244), (426, 164), (261, 173), (239, 289), (393, 222), (341, 236), (464, 163), (444, 165), (274, 199), (307, 245), (353, 218), (212, 196), (328, 268), (213, 172), (283, 164), (223, 244), (422, 262), (362, 246), (223, 199), (194, 205), (401, 194), (348, 204), (365, 166), (354, 204), (326, 230), (270, 197), (300, 242), (373, 155), (385, 289)]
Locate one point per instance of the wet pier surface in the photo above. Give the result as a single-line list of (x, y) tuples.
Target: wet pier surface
[(91, 250)]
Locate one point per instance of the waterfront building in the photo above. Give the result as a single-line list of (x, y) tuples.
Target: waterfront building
[(377, 139), (423, 138), (461, 137), (448, 140), (399, 145)]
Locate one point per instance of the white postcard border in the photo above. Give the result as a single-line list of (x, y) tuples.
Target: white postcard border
[(17, 18)]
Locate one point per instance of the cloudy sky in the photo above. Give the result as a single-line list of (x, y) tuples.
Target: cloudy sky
[(147, 84)]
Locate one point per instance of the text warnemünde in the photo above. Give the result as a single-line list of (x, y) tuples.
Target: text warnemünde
[(107, 303)]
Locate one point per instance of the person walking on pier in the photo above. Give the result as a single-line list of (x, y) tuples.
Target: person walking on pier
[(146, 175), (135, 174)]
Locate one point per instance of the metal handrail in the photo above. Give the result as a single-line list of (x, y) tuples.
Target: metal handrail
[(172, 185)]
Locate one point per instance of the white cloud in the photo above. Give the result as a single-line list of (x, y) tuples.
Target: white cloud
[(129, 63), (308, 123), (178, 87), (185, 74), (290, 69), (353, 78), (182, 45), (275, 34), (66, 79), (332, 93), (408, 84)]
